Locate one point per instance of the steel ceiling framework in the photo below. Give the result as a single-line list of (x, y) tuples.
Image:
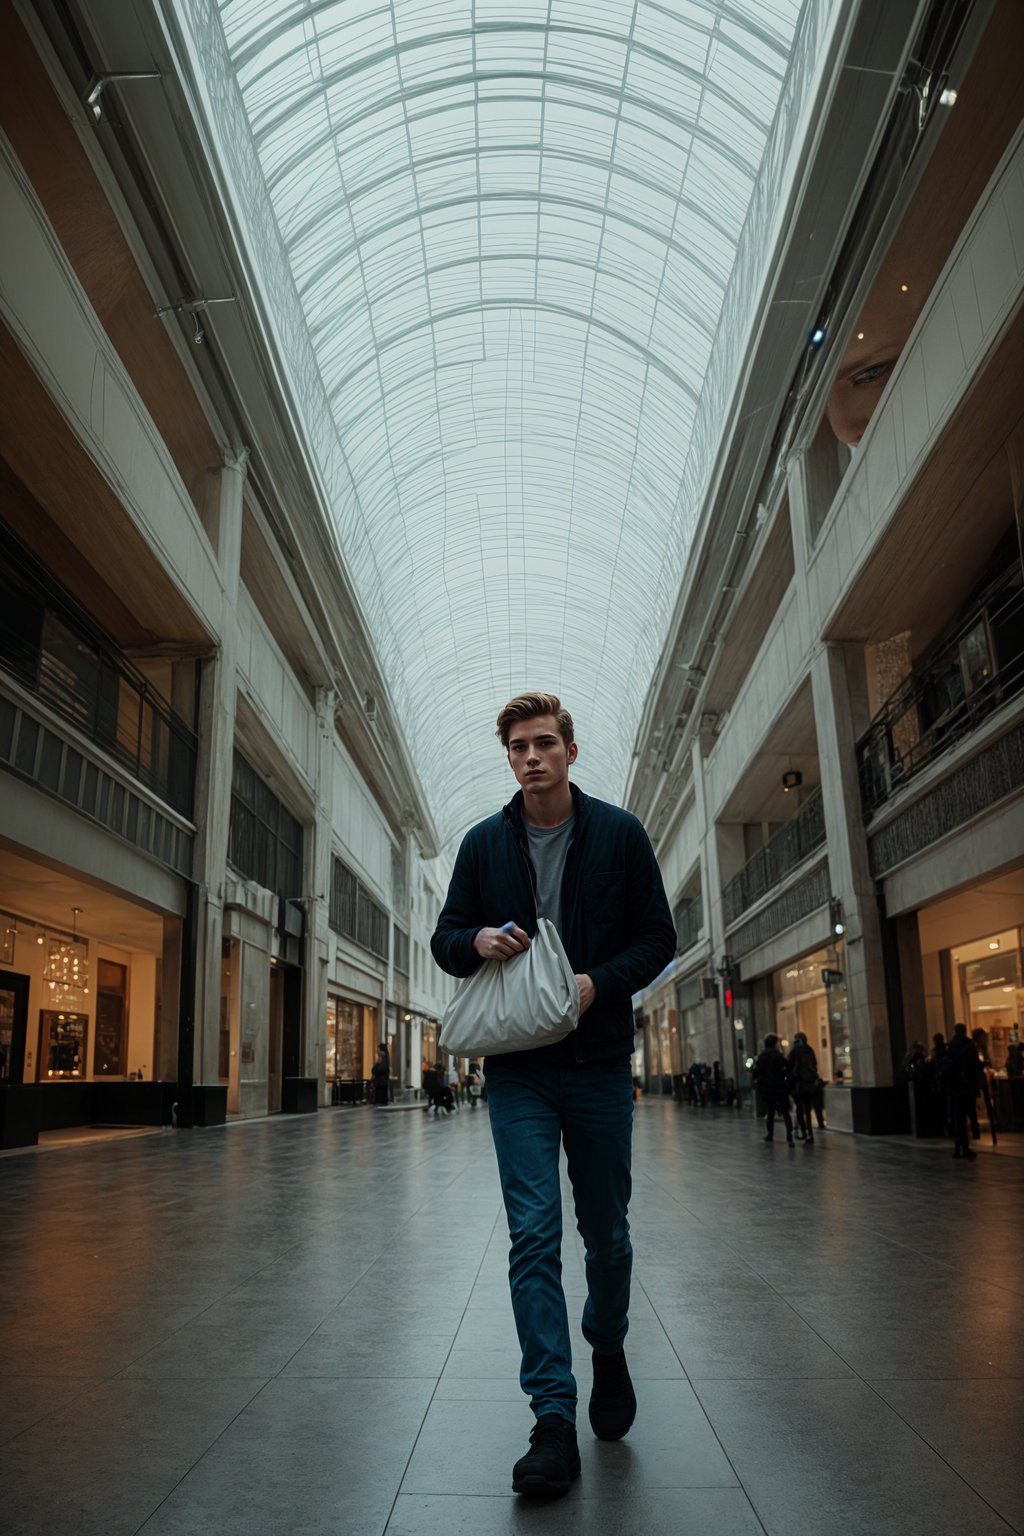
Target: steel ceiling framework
[(510, 230)]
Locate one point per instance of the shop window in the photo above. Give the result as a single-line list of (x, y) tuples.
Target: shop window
[(62, 1043), (344, 1028), (111, 1019), (990, 986), (811, 996)]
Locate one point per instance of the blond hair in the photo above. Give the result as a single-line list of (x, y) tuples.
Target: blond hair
[(527, 706)]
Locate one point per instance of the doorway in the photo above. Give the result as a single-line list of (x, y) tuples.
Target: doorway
[(274, 1044), (13, 1025)]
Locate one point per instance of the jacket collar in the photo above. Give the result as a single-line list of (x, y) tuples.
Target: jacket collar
[(513, 811)]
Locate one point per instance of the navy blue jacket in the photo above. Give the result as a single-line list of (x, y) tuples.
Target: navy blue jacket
[(616, 923)]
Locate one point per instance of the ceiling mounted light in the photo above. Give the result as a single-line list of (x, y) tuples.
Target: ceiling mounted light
[(947, 98), (792, 780), (993, 943)]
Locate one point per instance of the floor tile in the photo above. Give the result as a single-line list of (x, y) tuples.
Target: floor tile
[(976, 1427), (640, 1512), (829, 1455), (265, 1331)]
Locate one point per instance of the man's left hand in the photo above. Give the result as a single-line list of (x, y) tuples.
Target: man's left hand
[(587, 992)]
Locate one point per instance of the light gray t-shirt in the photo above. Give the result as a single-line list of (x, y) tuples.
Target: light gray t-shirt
[(548, 849)]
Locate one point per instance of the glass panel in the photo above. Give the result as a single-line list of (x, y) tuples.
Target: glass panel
[(513, 256), (62, 1046), (805, 1001), (112, 985)]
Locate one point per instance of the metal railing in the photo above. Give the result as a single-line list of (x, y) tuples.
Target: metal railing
[(56, 653), (781, 854), (115, 708), (978, 668), (689, 921)]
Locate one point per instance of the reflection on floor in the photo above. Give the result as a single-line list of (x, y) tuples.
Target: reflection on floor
[(301, 1326), (78, 1135)]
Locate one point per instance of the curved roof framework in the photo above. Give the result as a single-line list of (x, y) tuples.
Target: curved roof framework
[(510, 227)]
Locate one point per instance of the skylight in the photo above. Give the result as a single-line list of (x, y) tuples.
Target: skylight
[(509, 229)]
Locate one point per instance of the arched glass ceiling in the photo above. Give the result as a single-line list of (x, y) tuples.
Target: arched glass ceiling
[(510, 228)]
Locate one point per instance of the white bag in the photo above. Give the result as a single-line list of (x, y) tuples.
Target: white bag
[(517, 1004)]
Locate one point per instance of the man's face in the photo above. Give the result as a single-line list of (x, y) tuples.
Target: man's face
[(538, 756), (869, 359)]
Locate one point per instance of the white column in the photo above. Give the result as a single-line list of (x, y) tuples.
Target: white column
[(839, 686), (213, 772)]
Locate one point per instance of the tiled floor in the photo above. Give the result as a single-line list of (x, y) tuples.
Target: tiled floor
[(301, 1326)]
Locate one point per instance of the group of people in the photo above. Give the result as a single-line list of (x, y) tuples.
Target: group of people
[(957, 1073), (778, 1077), (446, 1090), (702, 1085)]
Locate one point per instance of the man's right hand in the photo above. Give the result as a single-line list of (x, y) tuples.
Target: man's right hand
[(501, 943)]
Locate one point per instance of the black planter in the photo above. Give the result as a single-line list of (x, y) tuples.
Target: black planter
[(19, 1115), (209, 1103), (299, 1096)]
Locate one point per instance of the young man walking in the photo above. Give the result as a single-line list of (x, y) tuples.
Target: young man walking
[(589, 867)]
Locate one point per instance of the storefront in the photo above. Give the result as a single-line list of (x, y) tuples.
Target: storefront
[(351, 1047), (428, 1042), (987, 987), (972, 972), (810, 996), (662, 1048), (82, 998)]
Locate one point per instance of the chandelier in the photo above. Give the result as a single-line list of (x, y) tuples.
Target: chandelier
[(66, 973)]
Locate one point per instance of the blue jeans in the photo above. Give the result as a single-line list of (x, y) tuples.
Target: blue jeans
[(535, 1107)]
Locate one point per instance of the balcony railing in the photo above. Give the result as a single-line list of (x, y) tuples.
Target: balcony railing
[(113, 705), (977, 669), (689, 918), (781, 854), (55, 651)]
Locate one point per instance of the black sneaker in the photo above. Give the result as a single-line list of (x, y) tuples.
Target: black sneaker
[(551, 1463), (613, 1401)]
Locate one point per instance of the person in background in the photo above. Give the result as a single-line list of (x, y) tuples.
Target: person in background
[(442, 1093), (475, 1081), (803, 1066), (429, 1080), (698, 1082), (771, 1074), (937, 1062), (915, 1063), (1015, 1060), (379, 1074), (980, 1038), (960, 1073)]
